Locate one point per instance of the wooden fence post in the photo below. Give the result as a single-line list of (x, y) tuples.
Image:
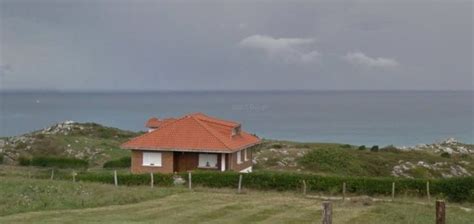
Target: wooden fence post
[(344, 191), (304, 187), (428, 190), (74, 176), (152, 181), (52, 174), (240, 184), (327, 212), (189, 181), (440, 212), (393, 191), (115, 178)]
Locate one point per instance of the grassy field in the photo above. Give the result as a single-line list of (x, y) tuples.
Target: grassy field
[(43, 201)]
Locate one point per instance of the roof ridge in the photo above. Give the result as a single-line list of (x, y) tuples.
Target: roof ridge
[(215, 120), (210, 130)]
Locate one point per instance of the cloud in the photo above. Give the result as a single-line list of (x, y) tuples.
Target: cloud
[(359, 58), (288, 49)]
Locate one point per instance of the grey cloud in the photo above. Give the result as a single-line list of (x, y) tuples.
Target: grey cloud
[(359, 58), (287, 49)]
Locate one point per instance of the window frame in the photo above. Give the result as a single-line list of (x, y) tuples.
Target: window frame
[(239, 157), (208, 167), (152, 164)]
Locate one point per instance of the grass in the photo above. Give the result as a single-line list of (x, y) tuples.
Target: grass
[(42, 201), (20, 195)]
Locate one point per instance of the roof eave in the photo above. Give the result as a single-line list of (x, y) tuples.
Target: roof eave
[(192, 150)]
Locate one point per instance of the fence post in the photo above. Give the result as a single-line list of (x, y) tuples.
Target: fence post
[(189, 181), (52, 174), (428, 190), (327, 212), (304, 187), (240, 184), (115, 178), (393, 191), (344, 191), (152, 181), (440, 212), (74, 176)]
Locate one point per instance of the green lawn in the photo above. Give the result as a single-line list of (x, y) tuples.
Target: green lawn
[(44, 201)]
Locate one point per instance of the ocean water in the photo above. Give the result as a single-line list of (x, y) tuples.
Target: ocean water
[(355, 117)]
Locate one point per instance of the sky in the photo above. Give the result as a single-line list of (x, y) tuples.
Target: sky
[(236, 45)]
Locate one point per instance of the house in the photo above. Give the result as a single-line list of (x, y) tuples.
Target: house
[(194, 141)]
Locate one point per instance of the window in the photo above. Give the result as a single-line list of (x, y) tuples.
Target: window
[(236, 131), (207, 160), (151, 159), (246, 154), (239, 157)]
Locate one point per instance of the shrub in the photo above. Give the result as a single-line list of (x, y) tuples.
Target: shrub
[(24, 161), (454, 189), (127, 179), (58, 162), (445, 155), (123, 162), (277, 146), (374, 148), (362, 147), (391, 148), (1, 158), (346, 146)]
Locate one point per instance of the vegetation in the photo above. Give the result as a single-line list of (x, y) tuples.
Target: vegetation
[(63, 202), (123, 162), (331, 159), (23, 195), (453, 189), (59, 162), (1, 158), (89, 141)]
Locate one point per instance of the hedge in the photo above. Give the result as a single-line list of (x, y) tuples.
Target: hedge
[(123, 162), (454, 189), (58, 162)]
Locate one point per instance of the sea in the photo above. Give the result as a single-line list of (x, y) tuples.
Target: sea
[(401, 118)]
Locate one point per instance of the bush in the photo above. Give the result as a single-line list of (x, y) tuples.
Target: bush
[(454, 189), (24, 161), (445, 155), (1, 158), (346, 146), (374, 148), (362, 147), (127, 179), (58, 162), (277, 146), (123, 162), (390, 148)]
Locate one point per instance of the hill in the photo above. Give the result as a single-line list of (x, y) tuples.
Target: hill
[(98, 144), (89, 141)]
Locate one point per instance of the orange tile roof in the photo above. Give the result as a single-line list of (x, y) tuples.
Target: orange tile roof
[(194, 132), (155, 122)]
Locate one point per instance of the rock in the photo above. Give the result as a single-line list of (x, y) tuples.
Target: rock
[(178, 180)]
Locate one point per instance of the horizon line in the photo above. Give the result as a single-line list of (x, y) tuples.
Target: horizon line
[(225, 90)]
